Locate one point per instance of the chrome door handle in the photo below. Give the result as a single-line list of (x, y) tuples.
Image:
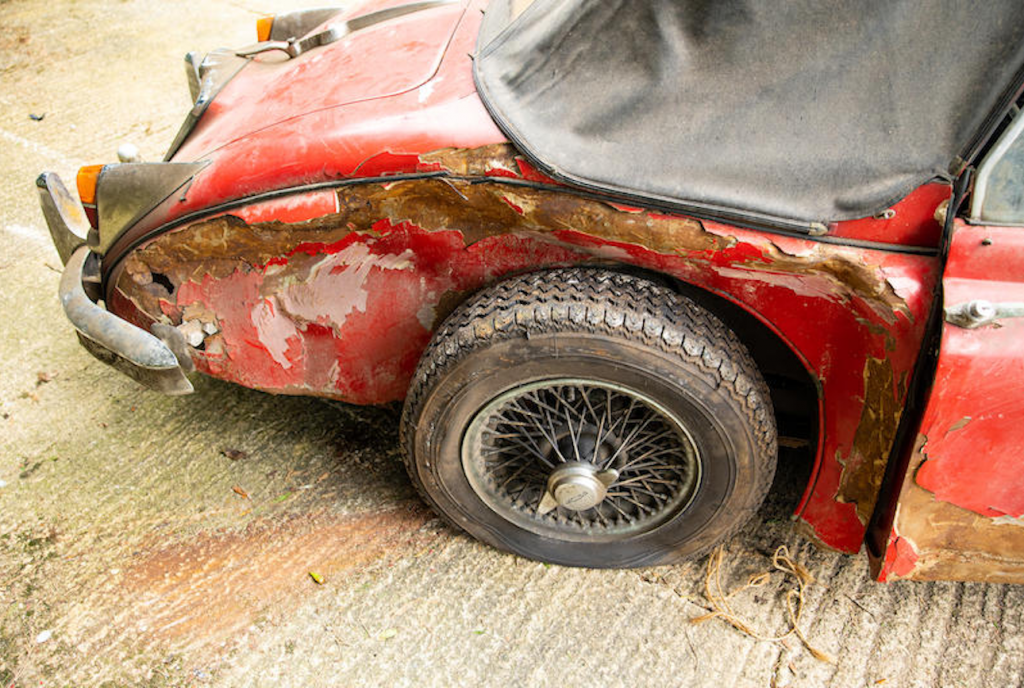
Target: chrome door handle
[(979, 312)]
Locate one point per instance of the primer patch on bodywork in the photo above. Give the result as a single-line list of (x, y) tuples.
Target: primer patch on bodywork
[(335, 287), (274, 332), (1008, 521)]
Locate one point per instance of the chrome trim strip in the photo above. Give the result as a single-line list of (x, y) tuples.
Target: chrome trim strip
[(979, 312), (294, 46), (300, 22), (205, 81)]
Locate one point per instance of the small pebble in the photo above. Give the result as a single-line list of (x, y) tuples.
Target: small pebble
[(44, 636)]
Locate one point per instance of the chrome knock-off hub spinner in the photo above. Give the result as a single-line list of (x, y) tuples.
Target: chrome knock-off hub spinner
[(577, 486)]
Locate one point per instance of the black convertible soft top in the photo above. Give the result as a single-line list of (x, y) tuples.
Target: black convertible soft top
[(786, 112)]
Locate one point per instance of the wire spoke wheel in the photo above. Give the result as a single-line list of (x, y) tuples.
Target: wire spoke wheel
[(580, 460), (559, 415)]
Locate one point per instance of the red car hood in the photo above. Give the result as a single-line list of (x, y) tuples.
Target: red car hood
[(381, 60)]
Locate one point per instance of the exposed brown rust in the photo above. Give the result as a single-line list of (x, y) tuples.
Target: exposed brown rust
[(474, 161), (865, 468), (220, 246), (954, 543), (849, 276), (875, 329), (479, 210), (281, 295)]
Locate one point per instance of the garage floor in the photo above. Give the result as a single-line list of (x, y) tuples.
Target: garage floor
[(134, 552)]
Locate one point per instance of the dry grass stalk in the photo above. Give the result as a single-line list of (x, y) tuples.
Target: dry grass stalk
[(783, 562)]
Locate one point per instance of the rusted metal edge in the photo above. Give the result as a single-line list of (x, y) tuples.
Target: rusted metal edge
[(114, 258), (884, 514)]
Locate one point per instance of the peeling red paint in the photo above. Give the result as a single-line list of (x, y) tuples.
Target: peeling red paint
[(976, 406), (512, 205), (531, 173), (349, 318), (900, 559), (290, 208), (932, 539)]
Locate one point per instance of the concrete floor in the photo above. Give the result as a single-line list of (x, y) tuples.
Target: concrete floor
[(127, 556)]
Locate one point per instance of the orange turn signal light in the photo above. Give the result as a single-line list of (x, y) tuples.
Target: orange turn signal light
[(263, 26), (86, 181)]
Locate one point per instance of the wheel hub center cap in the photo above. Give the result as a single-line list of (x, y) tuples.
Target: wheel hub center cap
[(577, 486)]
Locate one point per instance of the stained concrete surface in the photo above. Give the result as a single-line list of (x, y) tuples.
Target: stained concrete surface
[(128, 557)]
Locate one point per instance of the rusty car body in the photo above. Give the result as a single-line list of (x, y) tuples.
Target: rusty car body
[(342, 189)]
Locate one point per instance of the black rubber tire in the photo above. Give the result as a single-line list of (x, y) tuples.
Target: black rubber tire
[(612, 328)]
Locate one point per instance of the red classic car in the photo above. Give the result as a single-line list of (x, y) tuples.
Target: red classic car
[(608, 253)]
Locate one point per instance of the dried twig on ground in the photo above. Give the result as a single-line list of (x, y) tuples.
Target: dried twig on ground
[(781, 562)]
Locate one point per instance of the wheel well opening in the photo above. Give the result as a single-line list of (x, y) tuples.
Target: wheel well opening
[(794, 393)]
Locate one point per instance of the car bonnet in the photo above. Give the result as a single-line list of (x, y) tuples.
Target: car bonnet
[(375, 60)]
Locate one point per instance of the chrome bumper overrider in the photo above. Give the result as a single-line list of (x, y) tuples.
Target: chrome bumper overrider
[(142, 356)]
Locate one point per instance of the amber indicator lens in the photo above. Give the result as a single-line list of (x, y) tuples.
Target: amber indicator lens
[(86, 180), (263, 25)]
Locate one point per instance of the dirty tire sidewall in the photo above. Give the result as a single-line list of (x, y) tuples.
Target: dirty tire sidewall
[(733, 448)]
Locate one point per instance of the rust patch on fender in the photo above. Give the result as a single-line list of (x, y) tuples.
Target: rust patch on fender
[(283, 282), (474, 161), (343, 305), (480, 209), (864, 469), (953, 543), (204, 590), (219, 247), (849, 276)]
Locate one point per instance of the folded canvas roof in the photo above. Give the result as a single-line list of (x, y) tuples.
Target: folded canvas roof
[(790, 112)]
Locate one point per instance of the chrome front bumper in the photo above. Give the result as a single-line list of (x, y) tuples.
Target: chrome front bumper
[(145, 357)]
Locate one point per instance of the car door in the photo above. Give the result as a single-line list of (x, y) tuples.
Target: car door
[(960, 511)]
